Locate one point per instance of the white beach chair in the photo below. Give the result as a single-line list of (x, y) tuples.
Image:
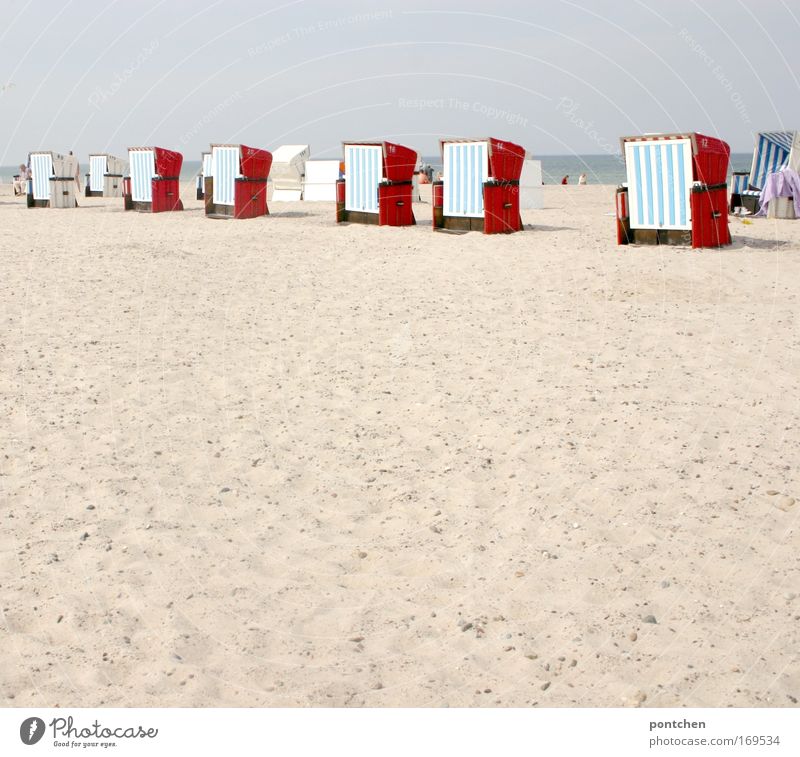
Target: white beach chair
[(288, 171), (531, 192)]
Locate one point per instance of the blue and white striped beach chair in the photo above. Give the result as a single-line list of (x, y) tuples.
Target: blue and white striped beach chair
[(41, 164), (774, 151)]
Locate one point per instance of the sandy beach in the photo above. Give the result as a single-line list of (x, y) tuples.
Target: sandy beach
[(279, 462)]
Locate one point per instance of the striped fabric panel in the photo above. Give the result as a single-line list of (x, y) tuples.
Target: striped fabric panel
[(739, 183), (225, 169), (208, 164), (772, 154), (41, 171), (783, 139), (659, 183), (97, 169), (466, 168), (143, 169), (363, 170)]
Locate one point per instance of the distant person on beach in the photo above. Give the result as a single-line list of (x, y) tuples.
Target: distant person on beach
[(565, 180), (582, 179), (21, 182)]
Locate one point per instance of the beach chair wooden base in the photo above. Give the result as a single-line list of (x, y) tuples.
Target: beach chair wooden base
[(355, 216), (667, 237), (453, 223)]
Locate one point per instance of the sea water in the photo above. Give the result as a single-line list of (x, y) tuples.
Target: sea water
[(599, 169)]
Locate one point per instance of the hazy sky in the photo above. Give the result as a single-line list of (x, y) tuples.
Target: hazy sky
[(558, 76)]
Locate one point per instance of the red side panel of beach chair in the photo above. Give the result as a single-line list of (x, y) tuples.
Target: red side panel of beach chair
[(250, 197), (394, 204), (711, 160), (505, 160), (168, 163), (501, 208), (437, 193), (710, 217), (166, 195), (623, 217), (399, 162), (255, 163)]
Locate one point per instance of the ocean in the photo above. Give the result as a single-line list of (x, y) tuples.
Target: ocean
[(599, 169)]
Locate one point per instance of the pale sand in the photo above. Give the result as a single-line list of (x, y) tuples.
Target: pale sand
[(372, 466)]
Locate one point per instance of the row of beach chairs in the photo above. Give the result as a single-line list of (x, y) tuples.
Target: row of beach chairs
[(676, 191)]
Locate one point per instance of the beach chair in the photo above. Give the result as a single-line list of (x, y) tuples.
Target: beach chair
[(105, 176), (41, 164), (52, 182), (740, 185), (531, 192), (63, 183), (154, 182), (237, 186), (205, 170), (288, 170), (377, 184), (676, 191), (774, 151), (319, 183), (479, 190)]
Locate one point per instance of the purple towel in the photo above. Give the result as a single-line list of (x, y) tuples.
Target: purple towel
[(784, 183)]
